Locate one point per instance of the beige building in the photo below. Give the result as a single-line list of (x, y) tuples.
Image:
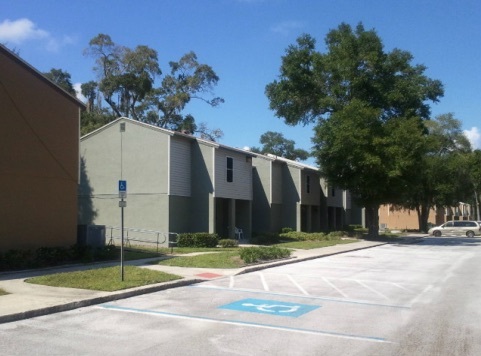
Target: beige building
[(393, 218), (39, 169)]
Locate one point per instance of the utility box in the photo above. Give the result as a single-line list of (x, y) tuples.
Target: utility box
[(91, 235)]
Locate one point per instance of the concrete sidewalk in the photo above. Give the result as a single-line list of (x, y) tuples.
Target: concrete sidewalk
[(29, 300)]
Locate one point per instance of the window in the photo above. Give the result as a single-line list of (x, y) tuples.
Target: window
[(230, 169), (333, 192), (308, 184)]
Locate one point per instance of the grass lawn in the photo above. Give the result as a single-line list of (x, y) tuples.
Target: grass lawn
[(230, 258), (105, 279), (2, 292), (223, 259), (131, 255), (307, 245), (177, 250)]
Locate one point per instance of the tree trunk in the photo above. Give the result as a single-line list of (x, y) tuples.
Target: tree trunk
[(372, 220), (423, 217), (476, 198)]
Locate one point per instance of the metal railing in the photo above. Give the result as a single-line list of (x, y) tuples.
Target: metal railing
[(141, 237)]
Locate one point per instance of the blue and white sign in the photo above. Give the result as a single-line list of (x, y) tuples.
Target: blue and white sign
[(122, 185), (122, 188), (271, 307)]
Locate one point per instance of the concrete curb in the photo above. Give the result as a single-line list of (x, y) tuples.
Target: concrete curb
[(301, 259), (97, 300)]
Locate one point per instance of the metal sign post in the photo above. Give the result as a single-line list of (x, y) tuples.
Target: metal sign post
[(122, 205)]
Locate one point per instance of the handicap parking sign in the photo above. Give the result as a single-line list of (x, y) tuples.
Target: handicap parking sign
[(122, 189), (271, 307), (122, 185)]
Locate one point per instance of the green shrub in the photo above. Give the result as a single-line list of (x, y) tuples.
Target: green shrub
[(304, 236), (54, 256), (197, 239), (336, 235), (266, 238), (352, 227), (17, 259), (109, 252), (285, 230), (225, 243), (256, 254)]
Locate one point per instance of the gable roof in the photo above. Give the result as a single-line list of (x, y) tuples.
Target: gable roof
[(12, 56), (288, 162), (167, 132)]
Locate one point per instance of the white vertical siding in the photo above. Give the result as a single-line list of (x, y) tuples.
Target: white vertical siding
[(180, 167)]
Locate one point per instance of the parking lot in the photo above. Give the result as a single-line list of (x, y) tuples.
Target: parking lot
[(362, 302)]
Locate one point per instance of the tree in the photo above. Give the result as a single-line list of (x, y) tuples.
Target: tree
[(92, 120), (126, 75), (275, 143), (62, 79), (474, 164), (367, 106), (127, 83), (95, 116), (188, 79), (89, 90), (442, 179)]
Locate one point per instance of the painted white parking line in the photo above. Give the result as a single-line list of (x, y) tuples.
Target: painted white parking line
[(303, 291), (248, 324), (329, 299), (371, 289), (231, 281), (263, 280), (335, 288), (402, 287), (420, 295)]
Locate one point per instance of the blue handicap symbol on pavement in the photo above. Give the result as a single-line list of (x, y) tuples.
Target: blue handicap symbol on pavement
[(272, 307)]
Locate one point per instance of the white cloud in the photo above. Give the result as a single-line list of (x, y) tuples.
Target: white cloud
[(285, 28), (474, 136), (78, 91), (22, 30)]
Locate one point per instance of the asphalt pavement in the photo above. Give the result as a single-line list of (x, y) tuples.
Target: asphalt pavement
[(27, 300)]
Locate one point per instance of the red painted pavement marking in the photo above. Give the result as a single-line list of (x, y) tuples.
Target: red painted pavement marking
[(209, 275)]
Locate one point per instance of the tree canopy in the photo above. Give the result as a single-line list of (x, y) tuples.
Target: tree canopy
[(127, 82), (443, 177), (275, 143), (367, 105), (62, 79)]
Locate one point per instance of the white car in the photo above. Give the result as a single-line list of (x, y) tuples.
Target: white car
[(457, 227)]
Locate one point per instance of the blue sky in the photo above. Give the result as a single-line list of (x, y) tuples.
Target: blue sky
[(243, 40)]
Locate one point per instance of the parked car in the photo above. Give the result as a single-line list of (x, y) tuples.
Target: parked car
[(457, 227)]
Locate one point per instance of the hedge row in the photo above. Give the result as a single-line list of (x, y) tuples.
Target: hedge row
[(54, 256), (197, 239), (257, 254)]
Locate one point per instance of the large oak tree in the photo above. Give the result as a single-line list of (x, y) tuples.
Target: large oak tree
[(367, 105)]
